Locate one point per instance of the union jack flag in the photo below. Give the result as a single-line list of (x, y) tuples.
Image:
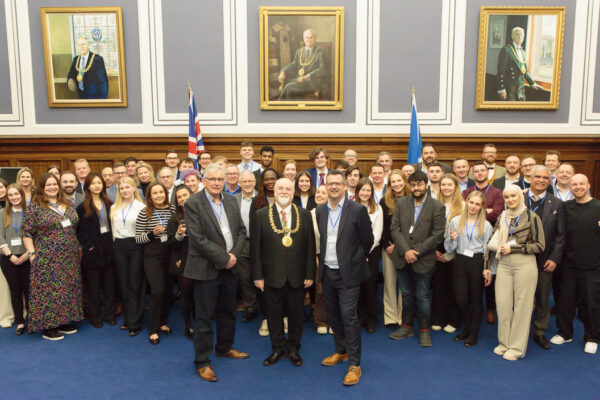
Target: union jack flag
[(195, 143)]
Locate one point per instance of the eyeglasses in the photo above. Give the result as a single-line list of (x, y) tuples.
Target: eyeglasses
[(212, 180), (232, 173)]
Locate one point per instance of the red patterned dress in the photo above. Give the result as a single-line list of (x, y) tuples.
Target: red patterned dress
[(55, 277)]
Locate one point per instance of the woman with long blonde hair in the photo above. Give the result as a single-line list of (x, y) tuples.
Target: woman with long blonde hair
[(467, 237), (27, 182)]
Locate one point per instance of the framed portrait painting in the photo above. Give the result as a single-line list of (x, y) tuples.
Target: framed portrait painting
[(84, 56), (519, 59), (301, 58)]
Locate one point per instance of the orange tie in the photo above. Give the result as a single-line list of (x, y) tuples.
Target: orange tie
[(284, 218)]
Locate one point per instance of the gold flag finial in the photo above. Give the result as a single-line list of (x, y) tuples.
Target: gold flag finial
[(189, 87), (413, 90)]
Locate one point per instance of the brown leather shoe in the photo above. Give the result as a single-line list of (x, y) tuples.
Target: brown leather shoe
[(334, 359), (233, 353), (491, 317), (207, 374), (353, 376)]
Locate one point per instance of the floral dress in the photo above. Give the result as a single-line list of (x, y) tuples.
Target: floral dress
[(55, 278)]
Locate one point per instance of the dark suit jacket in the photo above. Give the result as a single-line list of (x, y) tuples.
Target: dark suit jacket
[(553, 221), (316, 69), (500, 183), (207, 252), (95, 81), (310, 203), (88, 234), (274, 262), (427, 234), (354, 241), (509, 76), (178, 248), (445, 167), (313, 175)]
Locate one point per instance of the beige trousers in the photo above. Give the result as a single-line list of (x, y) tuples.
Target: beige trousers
[(392, 297), (7, 316), (515, 288)]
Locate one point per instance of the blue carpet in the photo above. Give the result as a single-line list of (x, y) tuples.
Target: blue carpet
[(107, 364)]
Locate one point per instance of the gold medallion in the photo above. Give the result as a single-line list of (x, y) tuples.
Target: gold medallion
[(286, 241), (301, 72), (523, 69), (79, 77)]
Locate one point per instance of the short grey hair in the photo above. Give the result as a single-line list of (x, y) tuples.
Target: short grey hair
[(517, 28), (166, 169), (542, 167), (247, 172), (311, 31), (281, 180), (214, 167)]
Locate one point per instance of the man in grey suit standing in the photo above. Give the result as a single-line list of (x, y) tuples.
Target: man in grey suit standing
[(216, 238), (417, 229)]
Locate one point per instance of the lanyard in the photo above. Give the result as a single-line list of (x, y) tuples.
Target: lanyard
[(56, 208), (18, 224), (419, 212), (538, 206), (511, 231), (470, 236), (163, 223), (523, 184), (220, 213), (124, 214), (560, 197), (334, 224), (377, 199), (486, 190)]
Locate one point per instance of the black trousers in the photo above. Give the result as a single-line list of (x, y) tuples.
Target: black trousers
[(17, 277), (247, 288), (367, 304), (468, 289), (541, 312), (580, 287), (341, 303), (186, 301), (127, 256), (490, 295), (285, 301), (556, 283), (101, 285), (214, 299), (156, 256), (443, 305)]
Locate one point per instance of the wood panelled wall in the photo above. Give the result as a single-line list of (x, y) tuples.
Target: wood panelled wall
[(37, 154)]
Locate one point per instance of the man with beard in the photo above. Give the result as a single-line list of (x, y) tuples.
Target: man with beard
[(512, 163), (68, 184), (494, 201), (429, 155), (417, 230), (434, 173), (283, 265), (489, 155)]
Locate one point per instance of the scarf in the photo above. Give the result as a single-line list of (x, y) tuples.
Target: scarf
[(508, 215)]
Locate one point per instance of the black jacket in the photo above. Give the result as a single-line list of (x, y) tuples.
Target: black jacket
[(88, 234)]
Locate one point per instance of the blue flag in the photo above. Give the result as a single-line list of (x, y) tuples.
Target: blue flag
[(415, 143)]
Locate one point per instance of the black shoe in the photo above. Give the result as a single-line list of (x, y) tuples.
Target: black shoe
[(52, 334), (461, 336), (124, 327), (96, 324), (471, 340), (249, 316), (295, 359), (134, 332), (189, 333), (20, 331), (111, 321), (541, 341), (155, 340), (67, 329), (167, 331), (273, 358)]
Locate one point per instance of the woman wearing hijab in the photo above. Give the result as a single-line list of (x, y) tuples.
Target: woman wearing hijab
[(517, 238)]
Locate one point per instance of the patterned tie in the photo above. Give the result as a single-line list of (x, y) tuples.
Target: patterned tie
[(322, 178), (534, 197), (284, 218), (82, 66)]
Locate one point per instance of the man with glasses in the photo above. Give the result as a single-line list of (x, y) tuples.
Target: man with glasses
[(318, 173), (346, 238), (232, 176), (204, 160), (172, 161), (119, 171), (351, 157), (527, 164), (216, 238), (489, 155), (417, 230), (167, 178)]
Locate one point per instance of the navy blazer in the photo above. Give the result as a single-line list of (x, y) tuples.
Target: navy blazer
[(313, 175), (354, 241)]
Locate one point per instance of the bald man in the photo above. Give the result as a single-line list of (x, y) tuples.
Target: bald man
[(581, 274)]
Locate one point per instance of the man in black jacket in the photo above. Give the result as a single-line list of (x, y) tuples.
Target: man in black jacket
[(282, 248)]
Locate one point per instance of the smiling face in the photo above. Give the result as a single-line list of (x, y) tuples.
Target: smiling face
[(408, 169), (489, 154), (126, 191), (143, 174), (290, 171), (386, 161), (304, 184), (397, 184), (172, 159), (166, 177), (157, 195), (580, 186), (68, 183), (14, 197), (96, 186), (512, 199), (82, 46), (269, 179), (309, 38), (82, 169), (377, 175), (540, 180), (428, 154), (232, 175), (461, 169), (418, 188), (353, 178), (350, 157), (25, 179), (2, 191), (320, 160), (512, 165), (321, 195), (193, 183), (266, 158), (247, 152), (284, 192), (365, 193), (182, 196), (564, 174), (336, 188), (552, 162), (51, 188), (213, 182), (474, 204), (447, 187)]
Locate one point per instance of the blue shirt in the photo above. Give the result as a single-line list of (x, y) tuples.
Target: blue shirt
[(333, 224)]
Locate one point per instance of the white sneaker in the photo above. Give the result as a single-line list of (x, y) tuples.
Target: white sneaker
[(436, 327), (449, 329), (330, 331), (322, 330), (285, 325), (6, 324), (264, 328), (510, 356), (500, 350), (591, 347), (557, 339)]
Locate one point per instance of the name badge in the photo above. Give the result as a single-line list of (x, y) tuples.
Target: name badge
[(65, 223), (468, 253), (512, 242), (103, 229), (410, 231), (16, 242), (163, 238)]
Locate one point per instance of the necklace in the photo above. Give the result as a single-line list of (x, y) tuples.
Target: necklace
[(83, 71), (287, 238), (303, 61), (520, 59)]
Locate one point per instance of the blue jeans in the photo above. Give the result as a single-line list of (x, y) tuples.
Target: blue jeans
[(416, 296)]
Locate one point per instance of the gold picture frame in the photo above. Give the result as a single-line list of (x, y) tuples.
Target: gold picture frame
[(301, 58), (84, 56), (525, 77)]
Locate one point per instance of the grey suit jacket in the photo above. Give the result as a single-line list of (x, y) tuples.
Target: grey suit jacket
[(207, 249), (77, 199), (426, 235), (553, 221)]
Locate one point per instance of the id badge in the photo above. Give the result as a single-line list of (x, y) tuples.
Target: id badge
[(410, 231), (65, 223), (512, 242), (468, 253), (103, 229), (16, 242), (163, 238)]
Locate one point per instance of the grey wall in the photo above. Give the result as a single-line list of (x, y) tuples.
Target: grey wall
[(193, 50), (281, 116), (410, 44), (470, 76), (5, 105), (130, 114), (596, 106)]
